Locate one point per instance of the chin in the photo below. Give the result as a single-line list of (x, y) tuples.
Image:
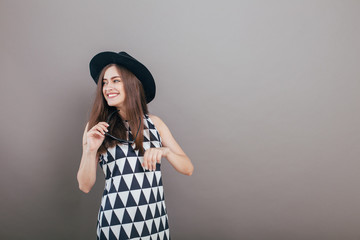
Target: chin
[(112, 104)]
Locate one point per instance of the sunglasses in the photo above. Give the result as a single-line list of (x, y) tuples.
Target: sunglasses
[(118, 139)]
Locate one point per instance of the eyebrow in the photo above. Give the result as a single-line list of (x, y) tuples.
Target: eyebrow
[(112, 77)]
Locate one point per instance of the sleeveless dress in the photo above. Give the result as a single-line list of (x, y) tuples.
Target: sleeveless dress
[(133, 203)]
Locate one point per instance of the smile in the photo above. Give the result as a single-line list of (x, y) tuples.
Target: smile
[(112, 95)]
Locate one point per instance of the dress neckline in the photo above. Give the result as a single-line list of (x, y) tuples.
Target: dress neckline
[(144, 117)]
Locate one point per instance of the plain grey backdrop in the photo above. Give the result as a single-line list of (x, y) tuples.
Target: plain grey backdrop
[(263, 96)]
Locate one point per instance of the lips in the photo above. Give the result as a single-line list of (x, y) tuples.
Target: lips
[(112, 95)]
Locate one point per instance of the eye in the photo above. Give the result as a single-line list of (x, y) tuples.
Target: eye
[(117, 80)]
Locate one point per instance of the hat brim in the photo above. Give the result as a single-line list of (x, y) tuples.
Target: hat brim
[(99, 61)]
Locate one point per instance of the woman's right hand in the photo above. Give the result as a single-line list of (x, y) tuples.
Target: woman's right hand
[(95, 136)]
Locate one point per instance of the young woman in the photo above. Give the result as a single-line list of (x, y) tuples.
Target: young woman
[(128, 144)]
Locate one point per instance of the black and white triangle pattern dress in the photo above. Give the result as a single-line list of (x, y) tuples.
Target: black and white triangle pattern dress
[(132, 205)]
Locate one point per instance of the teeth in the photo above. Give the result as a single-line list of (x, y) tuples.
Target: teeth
[(112, 95)]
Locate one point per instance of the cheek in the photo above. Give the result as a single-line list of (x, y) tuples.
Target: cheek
[(123, 91)]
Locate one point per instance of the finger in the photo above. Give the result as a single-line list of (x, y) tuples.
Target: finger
[(94, 128), (104, 126), (104, 123), (154, 163), (148, 158), (158, 158), (97, 133), (101, 128), (145, 165), (152, 159)]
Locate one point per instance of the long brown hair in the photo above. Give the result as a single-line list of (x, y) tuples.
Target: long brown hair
[(135, 105)]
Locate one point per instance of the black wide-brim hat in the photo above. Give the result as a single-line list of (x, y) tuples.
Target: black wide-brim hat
[(100, 60)]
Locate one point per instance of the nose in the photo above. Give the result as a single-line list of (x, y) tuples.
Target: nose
[(108, 86)]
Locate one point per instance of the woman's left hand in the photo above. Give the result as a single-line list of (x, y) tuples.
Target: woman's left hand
[(153, 156)]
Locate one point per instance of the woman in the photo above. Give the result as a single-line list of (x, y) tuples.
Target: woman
[(128, 143)]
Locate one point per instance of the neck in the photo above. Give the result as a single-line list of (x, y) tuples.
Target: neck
[(122, 113)]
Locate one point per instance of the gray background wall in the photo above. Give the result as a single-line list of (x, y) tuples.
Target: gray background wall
[(262, 95)]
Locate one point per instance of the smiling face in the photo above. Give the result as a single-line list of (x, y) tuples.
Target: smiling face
[(113, 88)]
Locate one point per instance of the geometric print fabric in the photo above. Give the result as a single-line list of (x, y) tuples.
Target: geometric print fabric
[(133, 203)]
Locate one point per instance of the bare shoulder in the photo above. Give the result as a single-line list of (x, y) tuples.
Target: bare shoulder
[(159, 124), (155, 119), (167, 138)]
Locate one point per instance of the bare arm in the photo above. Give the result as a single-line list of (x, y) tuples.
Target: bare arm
[(92, 140), (171, 150)]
